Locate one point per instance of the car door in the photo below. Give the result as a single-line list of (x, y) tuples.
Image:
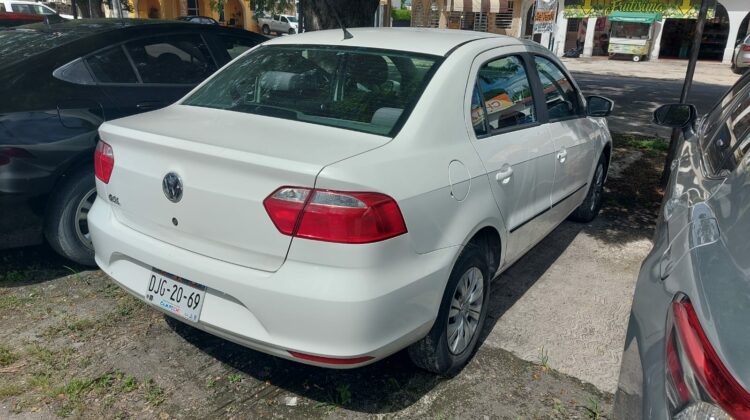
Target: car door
[(152, 72), (573, 135), (514, 146)]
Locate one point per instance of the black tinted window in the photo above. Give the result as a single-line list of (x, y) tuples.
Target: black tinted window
[(560, 95), (177, 59), (111, 66), (235, 46), (506, 93), (729, 143), (357, 89)]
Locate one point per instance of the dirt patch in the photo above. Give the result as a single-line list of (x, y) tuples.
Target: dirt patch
[(73, 344)]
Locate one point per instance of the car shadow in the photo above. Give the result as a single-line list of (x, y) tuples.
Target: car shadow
[(33, 265), (394, 383)]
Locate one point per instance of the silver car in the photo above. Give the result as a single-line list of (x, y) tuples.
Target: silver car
[(688, 342), (741, 57)]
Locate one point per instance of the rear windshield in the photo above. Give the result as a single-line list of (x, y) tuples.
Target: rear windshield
[(366, 90), (17, 44)]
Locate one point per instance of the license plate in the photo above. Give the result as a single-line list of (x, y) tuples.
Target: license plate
[(174, 294)]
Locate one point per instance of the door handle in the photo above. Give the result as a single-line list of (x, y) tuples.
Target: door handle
[(504, 174), (562, 155)]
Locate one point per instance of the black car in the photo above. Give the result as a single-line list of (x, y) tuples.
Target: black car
[(58, 83), (205, 20)]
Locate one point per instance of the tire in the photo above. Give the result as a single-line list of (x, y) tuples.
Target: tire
[(266, 30), (433, 353), (291, 31), (589, 209), (636, 58), (65, 225)]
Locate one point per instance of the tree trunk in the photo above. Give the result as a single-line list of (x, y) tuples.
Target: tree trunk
[(95, 10), (353, 13)]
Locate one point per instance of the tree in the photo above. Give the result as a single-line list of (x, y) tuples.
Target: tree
[(321, 14)]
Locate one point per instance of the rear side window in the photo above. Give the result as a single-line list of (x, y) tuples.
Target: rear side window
[(478, 119), (561, 97), (176, 59), (23, 8), (505, 93), (358, 89), (111, 66), (2, 7), (731, 140)]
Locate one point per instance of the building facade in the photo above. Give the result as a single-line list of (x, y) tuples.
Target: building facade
[(234, 13), (585, 23)]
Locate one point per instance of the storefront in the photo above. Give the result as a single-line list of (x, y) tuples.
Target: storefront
[(588, 23), (496, 16)]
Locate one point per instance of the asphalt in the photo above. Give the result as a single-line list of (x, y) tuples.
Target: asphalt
[(639, 88)]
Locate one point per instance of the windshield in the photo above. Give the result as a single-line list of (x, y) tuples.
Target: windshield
[(358, 89), (292, 19), (630, 30)]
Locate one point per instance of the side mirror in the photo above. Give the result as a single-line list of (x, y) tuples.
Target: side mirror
[(599, 106), (676, 115)]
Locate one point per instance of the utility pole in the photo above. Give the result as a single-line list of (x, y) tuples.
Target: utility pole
[(697, 38)]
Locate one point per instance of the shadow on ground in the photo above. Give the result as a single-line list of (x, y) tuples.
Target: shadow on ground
[(34, 264)]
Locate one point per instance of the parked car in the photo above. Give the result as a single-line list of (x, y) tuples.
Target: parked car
[(741, 57), (18, 19), (205, 20), (278, 24), (26, 7), (61, 81), (334, 202), (686, 347)]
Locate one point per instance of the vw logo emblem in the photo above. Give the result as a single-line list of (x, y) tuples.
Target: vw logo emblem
[(172, 187)]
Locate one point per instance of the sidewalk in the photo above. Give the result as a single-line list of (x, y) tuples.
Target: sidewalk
[(709, 72)]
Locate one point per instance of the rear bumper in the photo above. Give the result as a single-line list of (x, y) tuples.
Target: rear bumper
[(367, 306)]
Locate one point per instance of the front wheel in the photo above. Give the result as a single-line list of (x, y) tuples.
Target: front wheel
[(66, 220), (589, 209), (636, 58), (291, 31), (266, 30), (453, 338)]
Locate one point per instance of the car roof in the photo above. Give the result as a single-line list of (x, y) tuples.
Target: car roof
[(420, 40)]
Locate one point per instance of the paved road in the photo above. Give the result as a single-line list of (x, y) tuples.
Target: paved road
[(636, 98)]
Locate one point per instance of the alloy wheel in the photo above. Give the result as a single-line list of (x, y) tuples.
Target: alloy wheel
[(598, 186), (81, 218), (465, 310)]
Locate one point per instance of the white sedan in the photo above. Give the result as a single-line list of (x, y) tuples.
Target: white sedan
[(333, 201)]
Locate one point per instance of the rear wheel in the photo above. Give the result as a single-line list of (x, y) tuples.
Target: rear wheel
[(66, 221), (636, 58), (453, 338), (589, 209)]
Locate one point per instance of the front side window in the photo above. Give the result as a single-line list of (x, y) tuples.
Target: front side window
[(506, 94), (359, 89), (731, 139), (177, 59), (560, 95)]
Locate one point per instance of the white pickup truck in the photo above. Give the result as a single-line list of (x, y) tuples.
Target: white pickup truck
[(280, 24)]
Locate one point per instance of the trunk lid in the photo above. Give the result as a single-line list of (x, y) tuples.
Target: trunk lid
[(228, 163)]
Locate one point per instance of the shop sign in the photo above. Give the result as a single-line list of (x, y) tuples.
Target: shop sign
[(672, 9), (544, 16)]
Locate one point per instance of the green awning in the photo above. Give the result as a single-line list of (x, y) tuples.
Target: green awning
[(634, 17)]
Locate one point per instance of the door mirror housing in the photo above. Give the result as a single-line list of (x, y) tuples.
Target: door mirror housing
[(599, 106), (676, 115)]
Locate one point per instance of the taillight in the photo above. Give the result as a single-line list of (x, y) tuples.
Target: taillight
[(746, 48), (104, 161), (335, 216), (698, 383)]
